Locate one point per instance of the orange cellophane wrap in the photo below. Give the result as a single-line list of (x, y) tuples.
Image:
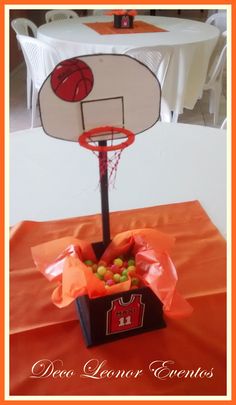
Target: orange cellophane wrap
[(62, 260), (154, 265)]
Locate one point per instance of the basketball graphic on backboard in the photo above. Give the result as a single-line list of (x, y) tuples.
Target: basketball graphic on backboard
[(72, 80)]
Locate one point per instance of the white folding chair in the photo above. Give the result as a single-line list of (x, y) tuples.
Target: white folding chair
[(214, 83), (219, 20), (40, 59), (23, 26), (217, 51), (157, 58), (53, 15)]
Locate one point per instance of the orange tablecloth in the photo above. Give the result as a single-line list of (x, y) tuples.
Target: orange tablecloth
[(107, 28), (40, 331)]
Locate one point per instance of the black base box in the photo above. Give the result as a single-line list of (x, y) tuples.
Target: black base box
[(123, 21), (120, 315)]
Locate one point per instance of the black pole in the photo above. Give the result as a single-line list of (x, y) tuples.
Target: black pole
[(103, 172)]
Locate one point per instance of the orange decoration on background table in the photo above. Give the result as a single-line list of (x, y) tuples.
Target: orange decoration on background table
[(107, 28)]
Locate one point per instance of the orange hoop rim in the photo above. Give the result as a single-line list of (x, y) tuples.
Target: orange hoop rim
[(85, 136)]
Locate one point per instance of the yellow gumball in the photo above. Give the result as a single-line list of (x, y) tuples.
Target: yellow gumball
[(118, 262), (131, 270), (101, 270)]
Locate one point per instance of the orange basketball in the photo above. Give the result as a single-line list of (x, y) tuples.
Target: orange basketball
[(72, 80)]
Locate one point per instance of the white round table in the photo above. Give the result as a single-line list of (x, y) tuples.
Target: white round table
[(169, 163), (192, 41)]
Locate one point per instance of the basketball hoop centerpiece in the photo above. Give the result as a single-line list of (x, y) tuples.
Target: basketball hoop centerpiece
[(123, 18), (102, 102)]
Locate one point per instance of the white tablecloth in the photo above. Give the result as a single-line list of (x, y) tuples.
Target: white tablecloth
[(192, 41), (52, 179)]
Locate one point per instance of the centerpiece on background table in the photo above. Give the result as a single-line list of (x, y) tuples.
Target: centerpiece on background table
[(123, 18)]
